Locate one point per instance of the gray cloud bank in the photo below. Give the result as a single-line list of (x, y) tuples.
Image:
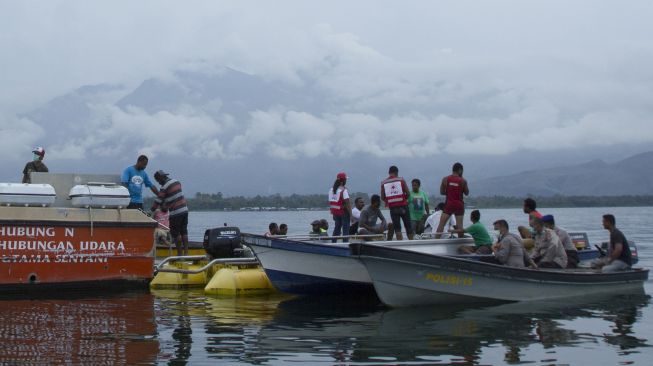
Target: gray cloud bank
[(379, 80)]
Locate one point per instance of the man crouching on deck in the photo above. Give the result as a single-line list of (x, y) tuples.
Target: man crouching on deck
[(369, 215), (171, 197)]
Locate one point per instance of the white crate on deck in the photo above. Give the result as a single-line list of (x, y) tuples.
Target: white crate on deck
[(99, 195), (24, 194)]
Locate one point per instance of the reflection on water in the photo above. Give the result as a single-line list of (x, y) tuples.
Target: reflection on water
[(187, 327), (97, 330), (280, 329)]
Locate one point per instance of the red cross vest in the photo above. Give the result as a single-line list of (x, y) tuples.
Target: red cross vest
[(393, 188), (337, 202)]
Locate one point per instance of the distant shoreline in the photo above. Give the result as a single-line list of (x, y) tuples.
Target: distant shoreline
[(317, 202)]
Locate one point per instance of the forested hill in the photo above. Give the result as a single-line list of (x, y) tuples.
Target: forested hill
[(207, 202)]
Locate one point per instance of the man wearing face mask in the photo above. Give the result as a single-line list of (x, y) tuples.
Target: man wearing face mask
[(36, 165), (509, 250)]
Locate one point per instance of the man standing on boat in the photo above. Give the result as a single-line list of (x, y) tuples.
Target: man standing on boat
[(418, 206), (340, 206), (394, 192), (619, 257), (453, 187), (171, 197), (134, 177), (36, 165)]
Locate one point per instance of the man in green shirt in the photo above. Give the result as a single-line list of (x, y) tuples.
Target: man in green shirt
[(482, 240), (418, 205)]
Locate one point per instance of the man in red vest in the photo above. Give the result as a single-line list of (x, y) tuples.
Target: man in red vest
[(394, 192), (453, 186)]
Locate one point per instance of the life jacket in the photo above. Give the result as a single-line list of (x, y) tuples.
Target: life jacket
[(454, 188), (337, 202), (393, 188)]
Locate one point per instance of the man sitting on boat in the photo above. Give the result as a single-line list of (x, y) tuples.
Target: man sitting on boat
[(433, 221), (273, 229), (565, 239), (509, 249), (548, 251), (369, 216), (317, 229), (359, 204), (619, 257), (482, 240), (530, 208), (283, 229)]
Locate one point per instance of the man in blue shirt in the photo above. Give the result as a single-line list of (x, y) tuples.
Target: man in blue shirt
[(134, 177)]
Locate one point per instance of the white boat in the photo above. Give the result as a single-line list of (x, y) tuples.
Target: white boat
[(312, 267), (409, 278)]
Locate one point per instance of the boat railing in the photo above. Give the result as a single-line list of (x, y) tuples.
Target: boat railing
[(186, 258), (309, 237)]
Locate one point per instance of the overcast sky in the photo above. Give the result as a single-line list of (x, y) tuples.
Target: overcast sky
[(534, 75)]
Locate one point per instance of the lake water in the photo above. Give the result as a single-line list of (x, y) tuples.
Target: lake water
[(188, 327)]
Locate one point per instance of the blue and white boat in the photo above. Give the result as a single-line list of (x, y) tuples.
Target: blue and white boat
[(316, 267)]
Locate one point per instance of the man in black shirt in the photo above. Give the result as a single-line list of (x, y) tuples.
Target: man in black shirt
[(619, 257), (36, 165)]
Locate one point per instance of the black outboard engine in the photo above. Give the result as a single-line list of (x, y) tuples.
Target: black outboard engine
[(223, 242)]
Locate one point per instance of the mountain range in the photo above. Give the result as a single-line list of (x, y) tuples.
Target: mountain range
[(630, 176), (222, 128)]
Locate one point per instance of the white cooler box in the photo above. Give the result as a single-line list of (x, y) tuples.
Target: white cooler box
[(99, 196), (23, 194)]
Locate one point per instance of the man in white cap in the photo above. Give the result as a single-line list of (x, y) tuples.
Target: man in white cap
[(36, 165)]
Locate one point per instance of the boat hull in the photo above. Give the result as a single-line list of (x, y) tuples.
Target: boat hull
[(404, 278), (315, 268), (309, 268), (72, 247)]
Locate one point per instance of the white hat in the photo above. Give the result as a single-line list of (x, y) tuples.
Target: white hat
[(39, 151)]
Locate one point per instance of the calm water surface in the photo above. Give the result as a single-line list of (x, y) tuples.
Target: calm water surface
[(188, 327)]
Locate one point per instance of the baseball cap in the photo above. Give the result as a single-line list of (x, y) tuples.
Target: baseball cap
[(547, 218), (160, 173), (341, 175), (38, 151)]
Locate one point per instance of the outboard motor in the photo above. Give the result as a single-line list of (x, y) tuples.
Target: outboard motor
[(223, 242)]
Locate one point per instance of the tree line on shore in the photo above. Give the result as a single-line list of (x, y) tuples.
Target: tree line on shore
[(217, 201)]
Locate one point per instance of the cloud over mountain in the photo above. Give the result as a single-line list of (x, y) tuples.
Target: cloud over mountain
[(296, 83)]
